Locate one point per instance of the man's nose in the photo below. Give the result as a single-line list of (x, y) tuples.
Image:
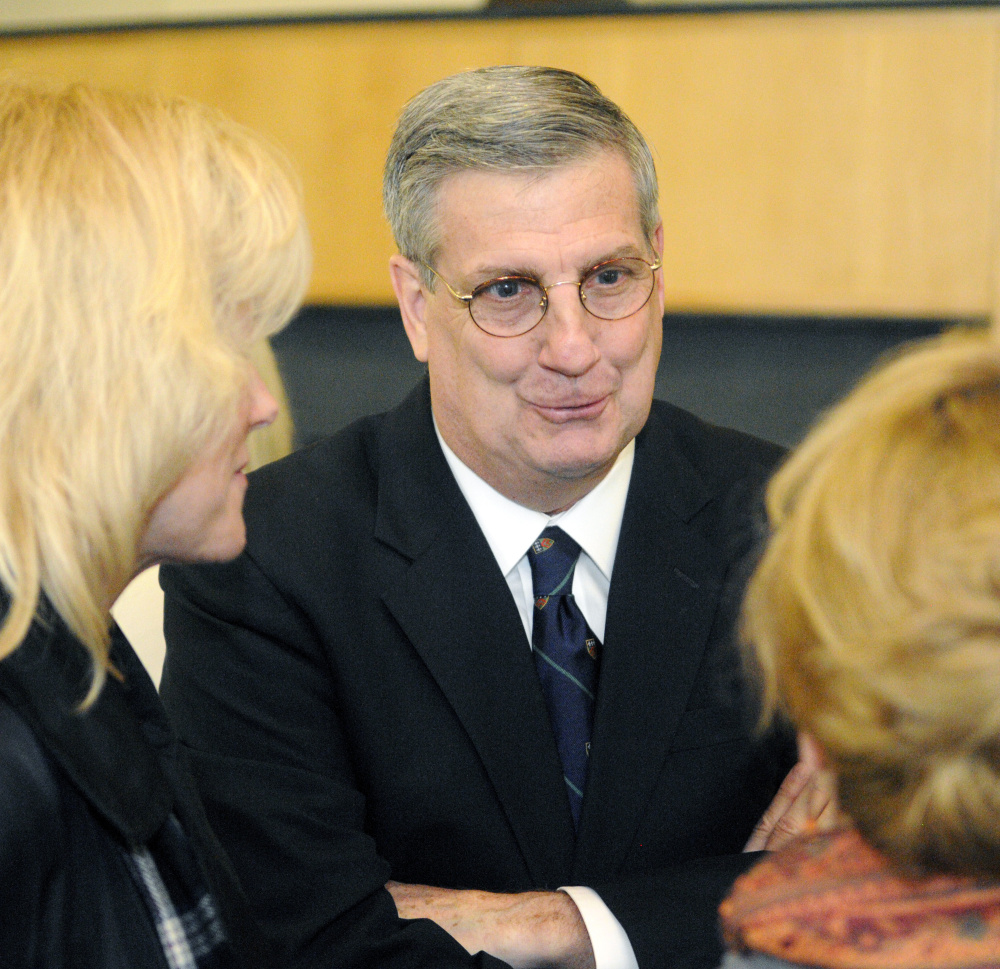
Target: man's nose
[(568, 332)]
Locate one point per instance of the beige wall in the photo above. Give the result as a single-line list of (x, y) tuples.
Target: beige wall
[(824, 162), (44, 14)]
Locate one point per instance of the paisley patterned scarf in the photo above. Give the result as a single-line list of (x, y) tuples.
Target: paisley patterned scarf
[(832, 901)]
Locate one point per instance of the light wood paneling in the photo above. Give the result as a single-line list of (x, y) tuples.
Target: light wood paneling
[(837, 162)]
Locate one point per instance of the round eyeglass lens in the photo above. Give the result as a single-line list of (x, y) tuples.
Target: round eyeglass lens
[(616, 289), (508, 306)]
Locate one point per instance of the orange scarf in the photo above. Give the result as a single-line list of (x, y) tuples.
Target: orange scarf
[(833, 901)]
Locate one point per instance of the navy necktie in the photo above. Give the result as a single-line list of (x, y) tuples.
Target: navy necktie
[(566, 653)]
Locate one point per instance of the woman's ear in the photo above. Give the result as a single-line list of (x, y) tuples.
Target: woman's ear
[(412, 299)]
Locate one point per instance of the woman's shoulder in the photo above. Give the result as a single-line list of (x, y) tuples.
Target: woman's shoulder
[(753, 960), (806, 901), (30, 798), (65, 895), (34, 833)]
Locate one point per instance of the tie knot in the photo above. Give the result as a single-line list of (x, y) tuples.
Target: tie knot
[(552, 557)]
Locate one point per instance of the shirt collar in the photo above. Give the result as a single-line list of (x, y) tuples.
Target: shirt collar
[(594, 522)]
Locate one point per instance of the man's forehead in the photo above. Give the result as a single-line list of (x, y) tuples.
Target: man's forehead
[(492, 217), (612, 165)]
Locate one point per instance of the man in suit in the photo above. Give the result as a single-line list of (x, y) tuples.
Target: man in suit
[(368, 692)]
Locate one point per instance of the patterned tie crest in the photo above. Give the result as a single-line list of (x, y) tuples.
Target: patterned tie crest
[(566, 654)]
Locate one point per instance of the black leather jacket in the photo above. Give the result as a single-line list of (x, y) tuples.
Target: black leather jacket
[(76, 786)]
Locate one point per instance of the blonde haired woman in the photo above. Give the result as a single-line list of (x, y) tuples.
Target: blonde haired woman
[(139, 609), (145, 246), (874, 619)]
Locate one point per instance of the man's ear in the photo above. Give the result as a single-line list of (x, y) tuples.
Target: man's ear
[(658, 245), (412, 299)]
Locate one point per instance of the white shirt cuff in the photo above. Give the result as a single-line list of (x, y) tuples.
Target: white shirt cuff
[(612, 949)]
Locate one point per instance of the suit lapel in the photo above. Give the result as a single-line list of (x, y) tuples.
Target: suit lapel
[(470, 636), (662, 602)]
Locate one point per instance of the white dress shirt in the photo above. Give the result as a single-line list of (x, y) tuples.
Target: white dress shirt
[(594, 523)]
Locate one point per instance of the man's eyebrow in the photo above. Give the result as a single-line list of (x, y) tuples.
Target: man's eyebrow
[(483, 274), (627, 251)]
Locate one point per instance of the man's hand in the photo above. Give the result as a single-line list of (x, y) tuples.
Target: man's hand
[(528, 930), (806, 801)]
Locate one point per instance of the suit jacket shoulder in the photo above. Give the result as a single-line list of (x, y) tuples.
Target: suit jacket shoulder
[(704, 459)]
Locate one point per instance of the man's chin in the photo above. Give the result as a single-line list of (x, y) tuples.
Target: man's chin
[(579, 467), (578, 460)]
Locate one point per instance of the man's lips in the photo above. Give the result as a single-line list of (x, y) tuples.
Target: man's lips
[(560, 412)]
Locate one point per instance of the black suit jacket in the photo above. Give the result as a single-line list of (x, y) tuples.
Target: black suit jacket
[(361, 701), (77, 789)]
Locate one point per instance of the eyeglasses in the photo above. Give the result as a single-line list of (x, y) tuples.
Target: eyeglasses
[(512, 305)]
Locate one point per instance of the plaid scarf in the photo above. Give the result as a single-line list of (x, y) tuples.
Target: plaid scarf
[(834, 902), (181, 907)]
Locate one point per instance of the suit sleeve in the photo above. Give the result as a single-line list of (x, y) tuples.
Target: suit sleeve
[(275, 778)]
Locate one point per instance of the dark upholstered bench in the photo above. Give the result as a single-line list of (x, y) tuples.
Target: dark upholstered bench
[(767, 375)]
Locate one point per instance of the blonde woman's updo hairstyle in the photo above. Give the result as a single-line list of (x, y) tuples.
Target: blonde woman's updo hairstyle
[(145, 245), (874, 615)]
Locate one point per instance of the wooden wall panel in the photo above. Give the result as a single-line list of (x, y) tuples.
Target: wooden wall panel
[(820, 162)]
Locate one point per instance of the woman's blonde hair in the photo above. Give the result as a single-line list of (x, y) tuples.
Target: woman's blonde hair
[(146, 244), (874, 615)]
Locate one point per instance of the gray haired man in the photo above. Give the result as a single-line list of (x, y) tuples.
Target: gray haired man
[(372, 693)]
